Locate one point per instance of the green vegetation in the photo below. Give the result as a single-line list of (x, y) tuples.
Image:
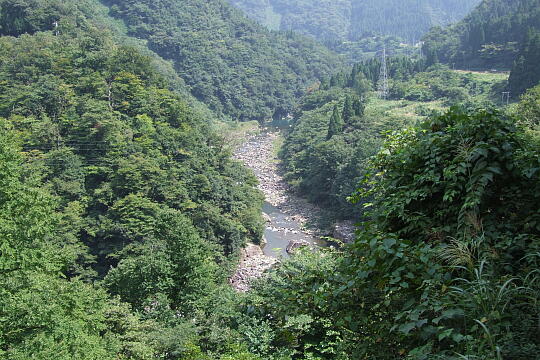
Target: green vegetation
[(326, 148), (498, 34), (42, 313), (525, 72), (354, 19), (107, 178), (488, 37), (122, 213), (238, 68), (357, 29), (446, 267), (338, 127), (529, 108), (440, 83)]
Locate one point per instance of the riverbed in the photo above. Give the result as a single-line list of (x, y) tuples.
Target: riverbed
[(286, 214), (281, 231)]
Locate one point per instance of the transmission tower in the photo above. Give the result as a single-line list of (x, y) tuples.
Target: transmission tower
[(506, 95), (382, 85)]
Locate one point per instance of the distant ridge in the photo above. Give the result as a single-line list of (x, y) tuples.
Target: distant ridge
[(238, 68), (353, 19)]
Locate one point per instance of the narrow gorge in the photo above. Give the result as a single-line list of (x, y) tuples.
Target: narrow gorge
[(291, 221)]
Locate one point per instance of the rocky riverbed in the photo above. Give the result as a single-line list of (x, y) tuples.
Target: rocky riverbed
[(253, 264), (286, 214), (258, 153)]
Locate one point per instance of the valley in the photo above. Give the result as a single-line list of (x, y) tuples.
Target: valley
[(286, 215), (337, 180)]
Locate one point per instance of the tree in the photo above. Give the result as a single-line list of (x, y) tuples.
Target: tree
[(489, 37), (529, 107), (26, 212), (335, 125), (97, 152), (237, 45), (358, 107), (348, 110), (456, 172), (441, 193), (194, 272), (42, 314), (432, 58), (525, 72)]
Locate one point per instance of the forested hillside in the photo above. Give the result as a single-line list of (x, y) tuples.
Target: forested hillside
[(525, 70), (338, 126), (230, 63), (440, 271), (354, 19), (490, 37), (106, 177), (123, 215)]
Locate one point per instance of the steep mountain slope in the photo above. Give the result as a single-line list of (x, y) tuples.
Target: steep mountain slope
[(491, 36), (121, 211), (234, 65), (407, 19), (107, 176), (525, 71), (353, 19)]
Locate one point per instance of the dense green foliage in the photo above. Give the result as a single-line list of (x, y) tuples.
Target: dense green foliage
[(526, 72), (122, 212), (446, 269), (498, 34), (453, 87), (116, 145), (337, 127), (230, 63), (125, 183), (529, 108), (490, 37), (461, 187), (489, 157), (325, 151), (399, 68), (354, 19), (40, 312)]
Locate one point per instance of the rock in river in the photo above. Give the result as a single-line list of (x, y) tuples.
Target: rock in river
[(296, 244)]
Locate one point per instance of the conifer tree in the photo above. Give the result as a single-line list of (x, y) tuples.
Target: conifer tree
[(358, 107), (336, 123), (525, 72), (348, 111)]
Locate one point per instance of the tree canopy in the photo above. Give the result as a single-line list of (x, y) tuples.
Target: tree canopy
[(237, 67), (122, 213), (353, 19), (489, 37), (112, 188)]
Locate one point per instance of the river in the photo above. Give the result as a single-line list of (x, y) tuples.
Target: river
[(281, 231), (286, 214)]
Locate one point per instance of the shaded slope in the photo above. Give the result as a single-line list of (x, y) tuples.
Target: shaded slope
[(491, 36), (354, 19), (100, 125), (232, 64)]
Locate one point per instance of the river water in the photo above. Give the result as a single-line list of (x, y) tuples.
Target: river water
[(286, 212), (281, 230)]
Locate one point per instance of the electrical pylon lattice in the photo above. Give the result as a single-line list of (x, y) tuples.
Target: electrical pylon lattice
[(382, 85)]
